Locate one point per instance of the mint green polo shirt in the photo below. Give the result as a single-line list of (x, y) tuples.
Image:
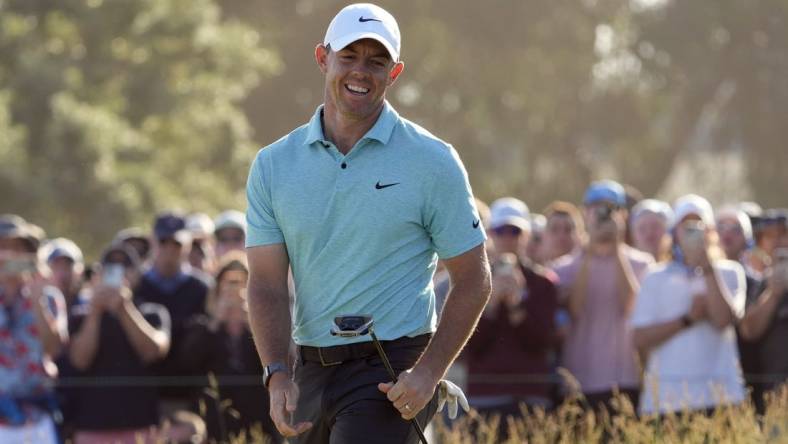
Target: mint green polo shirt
[(363, 230)]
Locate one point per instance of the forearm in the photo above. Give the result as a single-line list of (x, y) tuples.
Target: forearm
[(85, 342), (464, 305), (720, 313), (149, 344), (646, 338), (51, 338), (628, 283), (269, 320), (758, 318)]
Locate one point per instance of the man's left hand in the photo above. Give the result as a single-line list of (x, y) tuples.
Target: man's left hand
[(413, 390)]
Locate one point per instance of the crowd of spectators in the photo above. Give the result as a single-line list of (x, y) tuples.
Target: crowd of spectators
[(676, 307)]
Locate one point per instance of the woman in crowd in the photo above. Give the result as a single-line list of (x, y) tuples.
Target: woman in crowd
[(221, 344), (684, 319), (649, 227)]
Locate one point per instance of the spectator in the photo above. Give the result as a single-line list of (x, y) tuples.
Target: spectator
[(767, 233), (202, 255), (535, 248), (599, 284), (33, 330), (514, 341), (766, 320), (649, 227), (735, 232), (564, 232), (172, 283), (230, 232), (509, 226), (115, 340), (221, 343), (684, 320), (138, 240), (64, 259)]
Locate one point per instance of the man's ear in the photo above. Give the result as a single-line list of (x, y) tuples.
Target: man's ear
[(395, 72), (321, 56)]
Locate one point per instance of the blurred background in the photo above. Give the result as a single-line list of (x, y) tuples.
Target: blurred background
[(112, 110)]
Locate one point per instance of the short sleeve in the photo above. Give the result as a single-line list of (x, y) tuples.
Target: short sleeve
[(734, 278), (565, 268), (646, 311), (451, 217), (262, 227), (157, 316)]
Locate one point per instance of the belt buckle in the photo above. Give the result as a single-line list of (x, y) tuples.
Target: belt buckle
[(323, 361)]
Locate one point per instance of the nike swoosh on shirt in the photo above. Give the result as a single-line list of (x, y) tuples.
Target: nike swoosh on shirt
[(378, 186), (476, 223)]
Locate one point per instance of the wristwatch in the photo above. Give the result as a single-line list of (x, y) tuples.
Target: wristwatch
[(686, 321), (270, 369)]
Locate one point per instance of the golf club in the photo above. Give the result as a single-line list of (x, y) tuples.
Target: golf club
[(351, 326)]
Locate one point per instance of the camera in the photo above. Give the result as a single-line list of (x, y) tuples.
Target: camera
[(603, 213)]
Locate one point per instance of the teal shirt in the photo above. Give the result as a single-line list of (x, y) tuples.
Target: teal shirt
[(363, 231)]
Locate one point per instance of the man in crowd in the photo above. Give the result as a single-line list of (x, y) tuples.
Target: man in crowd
[(114, 338), (564, 231), (516, 335), (360, 202), (172, 283), (137, 239), (230, 232), (648, 224), (67, 265), (33, 329), (599, 285), (202, 254)]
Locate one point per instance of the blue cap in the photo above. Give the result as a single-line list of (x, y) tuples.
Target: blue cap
[(605, 191), (171, 225)]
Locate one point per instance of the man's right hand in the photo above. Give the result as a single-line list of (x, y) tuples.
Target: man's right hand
[(283, 392), (698, 310)]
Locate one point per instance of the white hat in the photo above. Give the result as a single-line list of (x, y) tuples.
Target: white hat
[(230, 219), (509, 211), (363, 21), (693, 204), (61, 247), (200, 225), (734, 212), (654, 206)]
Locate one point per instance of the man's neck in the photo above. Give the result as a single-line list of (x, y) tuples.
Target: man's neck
[(603, 249), (343, 131)]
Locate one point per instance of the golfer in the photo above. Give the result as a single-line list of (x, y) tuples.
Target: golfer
[(360, 204)]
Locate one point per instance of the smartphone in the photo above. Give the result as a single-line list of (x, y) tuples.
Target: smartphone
[(112, 275), (18, 264), (781, 262), (694, 234), (504, 265)]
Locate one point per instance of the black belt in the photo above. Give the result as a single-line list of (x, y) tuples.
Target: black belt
[(335, 355)]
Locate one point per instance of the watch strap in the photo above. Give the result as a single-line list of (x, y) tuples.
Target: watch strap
[(272, 368)]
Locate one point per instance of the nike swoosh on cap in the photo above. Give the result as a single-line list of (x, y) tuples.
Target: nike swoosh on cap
[(363, 20)]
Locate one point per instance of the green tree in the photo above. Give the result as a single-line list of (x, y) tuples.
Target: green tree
[(128, 107)]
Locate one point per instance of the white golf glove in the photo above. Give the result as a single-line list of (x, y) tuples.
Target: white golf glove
[(449, 392)]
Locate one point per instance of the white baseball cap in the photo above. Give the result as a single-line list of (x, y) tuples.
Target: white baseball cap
[(230, 219), (364, 21), (693, 204), (509, 211)]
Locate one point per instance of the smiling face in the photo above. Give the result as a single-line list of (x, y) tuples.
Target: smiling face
[(357, 77)]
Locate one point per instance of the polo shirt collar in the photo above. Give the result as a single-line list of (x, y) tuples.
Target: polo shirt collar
[(380, 131)]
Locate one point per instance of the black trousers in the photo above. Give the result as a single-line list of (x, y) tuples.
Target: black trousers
[(344, 404)]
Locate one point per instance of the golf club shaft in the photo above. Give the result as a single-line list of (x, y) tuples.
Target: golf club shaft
[(393, 375)]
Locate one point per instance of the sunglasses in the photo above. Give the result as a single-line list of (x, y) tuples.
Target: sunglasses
[(507, 230), (230, 239)]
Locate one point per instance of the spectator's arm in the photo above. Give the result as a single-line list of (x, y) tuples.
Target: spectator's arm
[(577, 291), (537, 330), (50, 314), (85, 341), (720, 312), (148, 342), (628, 285), (199, 342), (760, 316), (646, 338)]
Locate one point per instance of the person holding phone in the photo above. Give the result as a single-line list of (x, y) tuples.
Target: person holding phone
[(684, 319), (766, 322), (32, 334), (114, 339)]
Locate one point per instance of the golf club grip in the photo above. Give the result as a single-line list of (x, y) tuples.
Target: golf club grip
[(393, 375)]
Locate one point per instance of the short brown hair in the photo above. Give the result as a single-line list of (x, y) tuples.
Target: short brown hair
[(562, 208)]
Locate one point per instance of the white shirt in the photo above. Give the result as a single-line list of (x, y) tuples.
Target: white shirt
[(698, 367)]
